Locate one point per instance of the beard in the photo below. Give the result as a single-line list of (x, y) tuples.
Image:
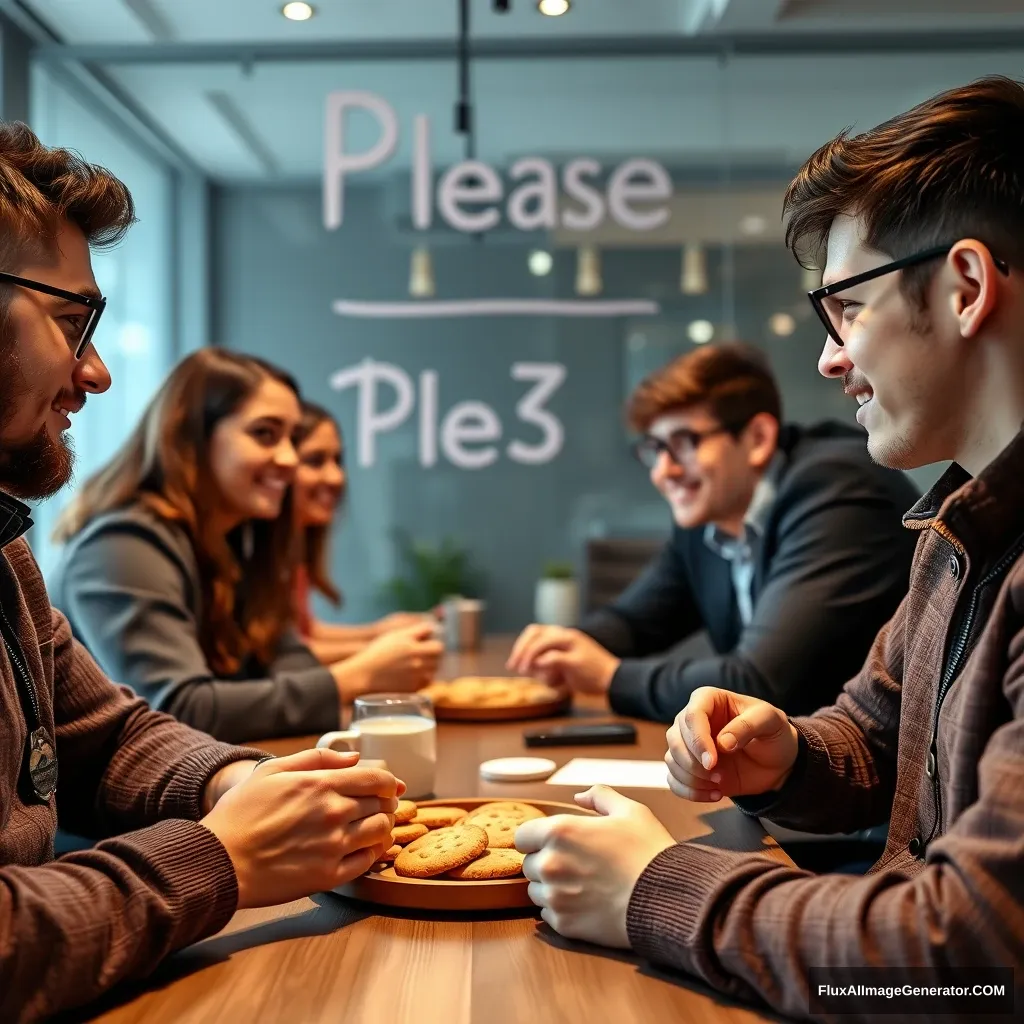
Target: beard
[(37, 468), (40, 466)]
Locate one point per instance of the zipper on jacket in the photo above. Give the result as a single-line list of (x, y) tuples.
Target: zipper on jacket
[(27, 685), (953, 667), (39, 766)]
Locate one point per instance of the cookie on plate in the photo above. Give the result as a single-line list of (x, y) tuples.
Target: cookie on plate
[(491, 864), (441, 850), (406, 812), (402, 835), (438, 817), (501, 831), (509, 809)]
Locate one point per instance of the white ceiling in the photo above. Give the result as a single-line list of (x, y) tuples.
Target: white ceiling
[(264, 121), (141, 21)]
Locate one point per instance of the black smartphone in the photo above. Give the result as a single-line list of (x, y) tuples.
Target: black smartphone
[(581, 735)]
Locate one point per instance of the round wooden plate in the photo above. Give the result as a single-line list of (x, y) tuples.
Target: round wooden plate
[(512, 713), (391, 890)]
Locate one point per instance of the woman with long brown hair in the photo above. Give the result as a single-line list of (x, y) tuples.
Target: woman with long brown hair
[(321, 486), (178, 563)]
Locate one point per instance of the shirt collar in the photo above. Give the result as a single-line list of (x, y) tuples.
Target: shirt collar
[(15, 519)]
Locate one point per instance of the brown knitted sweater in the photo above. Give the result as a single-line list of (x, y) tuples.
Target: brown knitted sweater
[(71, 928)]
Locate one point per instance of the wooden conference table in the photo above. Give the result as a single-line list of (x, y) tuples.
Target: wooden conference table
[(329, 959)]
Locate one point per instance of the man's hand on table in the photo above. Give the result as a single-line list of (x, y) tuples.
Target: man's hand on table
[(582, 870), (563, 657), (727, 744), (303, 824)]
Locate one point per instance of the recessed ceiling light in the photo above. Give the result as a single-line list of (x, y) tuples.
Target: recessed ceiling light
[(298, 11), (782, 324), (540, 262), (553, 8), (700, 331)]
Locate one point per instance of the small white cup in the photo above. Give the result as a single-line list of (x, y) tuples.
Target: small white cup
[(397, 728)]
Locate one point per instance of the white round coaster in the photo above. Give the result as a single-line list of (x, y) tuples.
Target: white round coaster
[(517, 769)]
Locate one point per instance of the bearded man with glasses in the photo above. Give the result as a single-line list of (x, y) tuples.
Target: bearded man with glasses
[(778, 532), (189, 829)]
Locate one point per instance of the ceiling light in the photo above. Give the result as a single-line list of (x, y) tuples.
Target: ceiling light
[(553, 8), (700, 331), (754, 224), (540, 262), (782, 324), (298, 11)]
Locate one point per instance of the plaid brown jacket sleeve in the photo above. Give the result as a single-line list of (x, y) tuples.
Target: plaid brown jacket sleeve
[(751, 927), (845, 776)]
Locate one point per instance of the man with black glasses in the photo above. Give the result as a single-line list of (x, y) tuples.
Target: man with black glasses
[(189, 829), (919, 223), (787, 548)]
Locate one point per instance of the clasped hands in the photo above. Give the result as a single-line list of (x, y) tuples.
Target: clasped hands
[(563, 657), (300, 824)]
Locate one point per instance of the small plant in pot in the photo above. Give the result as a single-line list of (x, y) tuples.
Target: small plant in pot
[(431, 574), (557, 601)]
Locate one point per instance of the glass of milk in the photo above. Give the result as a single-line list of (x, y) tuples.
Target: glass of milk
[(397, 728)]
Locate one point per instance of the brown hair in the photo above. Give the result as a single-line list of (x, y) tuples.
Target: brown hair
[(164, 465), (40, 187), (734, 381), (949, 168), (315, 540)]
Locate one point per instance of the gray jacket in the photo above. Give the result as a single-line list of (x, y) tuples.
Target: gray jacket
[(129, 585)]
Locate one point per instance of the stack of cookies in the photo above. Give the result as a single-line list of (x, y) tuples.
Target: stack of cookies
[(490, 692), (452, 843)]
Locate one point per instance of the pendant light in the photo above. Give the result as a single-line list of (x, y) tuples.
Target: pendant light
[(421, 274), (694, 277), (588, 271)]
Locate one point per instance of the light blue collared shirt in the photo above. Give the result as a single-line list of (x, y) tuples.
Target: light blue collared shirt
[(740, 551)]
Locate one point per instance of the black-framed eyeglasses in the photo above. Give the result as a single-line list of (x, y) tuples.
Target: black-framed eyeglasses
[(831, 315), (80, 341), (681, 444)]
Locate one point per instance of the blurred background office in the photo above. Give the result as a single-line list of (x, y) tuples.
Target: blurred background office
[(629, 161)]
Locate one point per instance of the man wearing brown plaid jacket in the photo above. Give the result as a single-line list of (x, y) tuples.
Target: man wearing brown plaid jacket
[(921, 222)]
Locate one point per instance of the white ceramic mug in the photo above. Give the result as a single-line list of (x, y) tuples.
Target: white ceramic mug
[(397, 728)]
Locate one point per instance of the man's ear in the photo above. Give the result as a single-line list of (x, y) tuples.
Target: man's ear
[(975, 285), (761, 438)]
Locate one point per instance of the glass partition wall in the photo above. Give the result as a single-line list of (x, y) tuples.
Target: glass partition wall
[(476, 330), (135, 336)]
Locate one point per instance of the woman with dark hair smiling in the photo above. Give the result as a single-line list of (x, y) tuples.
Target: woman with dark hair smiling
[(321, 485), (178, 567)]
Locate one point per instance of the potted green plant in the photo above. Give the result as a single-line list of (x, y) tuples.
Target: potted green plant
[(557, 599), (430, 574)]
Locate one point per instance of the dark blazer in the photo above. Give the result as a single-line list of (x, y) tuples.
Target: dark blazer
[(832, 565), (129, 585)]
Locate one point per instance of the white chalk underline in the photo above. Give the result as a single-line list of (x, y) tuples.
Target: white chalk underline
[(421, 309)]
